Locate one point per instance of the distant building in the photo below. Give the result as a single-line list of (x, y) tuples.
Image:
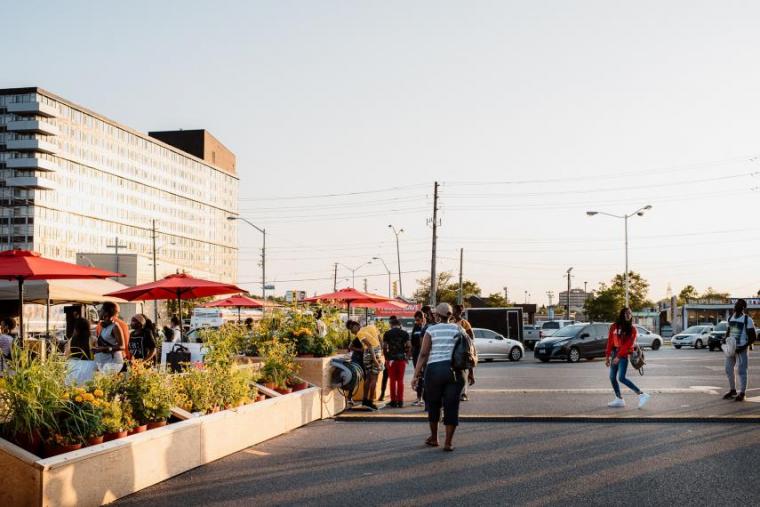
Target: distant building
[(73, 181), (578, 298)]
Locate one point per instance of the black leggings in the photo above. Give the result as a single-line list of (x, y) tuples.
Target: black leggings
[(442, 390)]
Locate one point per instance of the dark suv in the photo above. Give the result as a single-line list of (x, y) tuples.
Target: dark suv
[(573, 343), (717, 335)]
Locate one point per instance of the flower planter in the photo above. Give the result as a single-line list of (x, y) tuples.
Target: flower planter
[(115, 436), (299, 386), (54, 449), (283, 390), (138, 429), (156, 424), (29, 442), (96, 440), (270, 385)]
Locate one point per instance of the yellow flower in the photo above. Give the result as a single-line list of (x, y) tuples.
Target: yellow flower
[(65, 396), (88, 397), (78, 398), (98, 393)]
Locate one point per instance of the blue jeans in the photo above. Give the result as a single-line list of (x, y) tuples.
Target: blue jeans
[(742, 359), (617, 372)]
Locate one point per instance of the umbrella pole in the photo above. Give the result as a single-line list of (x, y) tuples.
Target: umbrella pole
[(181, 320), (238, 315), (21, 309)]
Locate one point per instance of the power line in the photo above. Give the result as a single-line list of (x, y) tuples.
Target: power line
[(337, 194)]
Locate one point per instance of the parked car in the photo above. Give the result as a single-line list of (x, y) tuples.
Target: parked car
[(491, 345), (550, 327), (531, 335), (648, 339), (573, 343), (717, 335), (694, 336)]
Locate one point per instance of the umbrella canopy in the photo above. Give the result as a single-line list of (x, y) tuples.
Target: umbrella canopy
[(180, 286), (60, 292), (349, 296), (394, 307), (22, 265), (238, 301)]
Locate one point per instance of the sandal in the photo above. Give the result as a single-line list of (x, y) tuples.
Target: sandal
[(448, 449), (431, 442)]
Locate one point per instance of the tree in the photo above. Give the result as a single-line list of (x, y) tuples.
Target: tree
[(711, 293), (606, 302), (497, 300), (688, 292), (448, 289)]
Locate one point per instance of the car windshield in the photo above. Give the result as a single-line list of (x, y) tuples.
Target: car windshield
[(568, 331), (551, 325), (693, 330), (723, 326)]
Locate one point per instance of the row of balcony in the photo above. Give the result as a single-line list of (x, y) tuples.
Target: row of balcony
[(38, 145), (33, 182), (35, 108), (36, 126)]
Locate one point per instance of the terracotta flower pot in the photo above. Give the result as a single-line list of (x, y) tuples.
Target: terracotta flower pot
[(261, 397), (115, 436), (300, 386), (138, 429), (156, 424), (29, 442), (270, 385), (95, 440), (283, 390), (55, 450)]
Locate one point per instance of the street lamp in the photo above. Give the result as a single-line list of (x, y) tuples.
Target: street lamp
[(353, 271), (263, 254), (389, 273), (639, 212), (398, 257)]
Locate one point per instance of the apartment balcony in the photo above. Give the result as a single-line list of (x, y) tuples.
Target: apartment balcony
[(31, 164), (37, 126), (29, 182), (36, 108), (38, 145)]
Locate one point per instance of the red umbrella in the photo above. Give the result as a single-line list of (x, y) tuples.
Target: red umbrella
[(349, 296), (238, 301), (25, 265), (394, 307), (180, 286)]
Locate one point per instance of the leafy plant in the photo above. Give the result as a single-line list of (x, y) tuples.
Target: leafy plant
[(149, 392), (322, 347), (278, 363)]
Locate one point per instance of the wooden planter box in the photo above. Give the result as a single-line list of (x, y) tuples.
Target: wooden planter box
[(100, 474)]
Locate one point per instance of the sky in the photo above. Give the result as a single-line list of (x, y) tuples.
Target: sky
[(344, 114)]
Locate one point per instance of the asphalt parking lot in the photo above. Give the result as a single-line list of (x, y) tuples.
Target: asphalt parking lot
[(381, 460)]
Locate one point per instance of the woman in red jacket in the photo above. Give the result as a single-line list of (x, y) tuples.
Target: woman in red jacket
[(620, 343)]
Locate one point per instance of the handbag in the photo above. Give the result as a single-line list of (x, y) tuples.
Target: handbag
[(178, 358), (637, 359), (729, 346), (464, 356)]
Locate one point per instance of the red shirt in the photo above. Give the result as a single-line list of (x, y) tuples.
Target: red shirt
[(623, 343)]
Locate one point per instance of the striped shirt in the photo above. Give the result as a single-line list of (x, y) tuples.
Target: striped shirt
[(442, 339)]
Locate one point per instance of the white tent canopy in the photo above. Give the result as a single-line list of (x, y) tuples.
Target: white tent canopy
[(62, 291)]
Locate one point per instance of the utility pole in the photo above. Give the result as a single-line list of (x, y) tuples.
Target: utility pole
[(398, 258), (567, 311), (365, 285), (155, 273), (506, 294), (585, 287), (116, 247), (433, 274), (460, 298), (335, 277)]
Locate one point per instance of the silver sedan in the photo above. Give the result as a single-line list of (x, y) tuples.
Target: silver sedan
[(491, 345)]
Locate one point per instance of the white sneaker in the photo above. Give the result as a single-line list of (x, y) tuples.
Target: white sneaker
[(643, 399), (616, 403)]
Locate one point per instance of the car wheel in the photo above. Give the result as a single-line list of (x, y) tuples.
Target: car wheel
[(698, 344), (574, 355), (677, 346), (515, 354), (543, 359), (656, 345)]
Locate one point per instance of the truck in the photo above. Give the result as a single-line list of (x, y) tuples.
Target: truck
[(507, 321), (531, 335)]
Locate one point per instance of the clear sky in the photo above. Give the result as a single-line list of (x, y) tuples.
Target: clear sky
[(528, 113)]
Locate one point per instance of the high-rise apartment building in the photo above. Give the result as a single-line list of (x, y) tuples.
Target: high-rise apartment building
[(73, 182)]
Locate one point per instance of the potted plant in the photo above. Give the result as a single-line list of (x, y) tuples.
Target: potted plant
[(194, 390), (114, 424), (322, 347)]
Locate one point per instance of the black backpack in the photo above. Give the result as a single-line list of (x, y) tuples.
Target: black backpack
[(464, 356)]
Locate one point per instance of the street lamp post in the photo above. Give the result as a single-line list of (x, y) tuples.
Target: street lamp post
[(398, 258), (389, 273), (263, 254), (353, 271), (638, 212)]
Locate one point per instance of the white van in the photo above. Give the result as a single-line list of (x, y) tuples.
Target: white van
[(207, 317), (550, 327)]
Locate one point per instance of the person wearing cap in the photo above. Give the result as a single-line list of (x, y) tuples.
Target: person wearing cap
[(367, 343), (142, 342), (443, 385)]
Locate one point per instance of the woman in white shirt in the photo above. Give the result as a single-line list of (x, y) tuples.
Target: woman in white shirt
[(443, 385), (6, 340)]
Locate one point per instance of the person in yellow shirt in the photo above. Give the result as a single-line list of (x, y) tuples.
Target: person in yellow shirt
[(373, 360)]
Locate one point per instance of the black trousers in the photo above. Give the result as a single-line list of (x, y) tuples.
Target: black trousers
[(442, 390)]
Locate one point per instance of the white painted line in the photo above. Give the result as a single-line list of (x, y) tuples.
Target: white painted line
[(257, 453)]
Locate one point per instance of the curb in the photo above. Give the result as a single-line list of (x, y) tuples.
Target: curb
[(560, 419)]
